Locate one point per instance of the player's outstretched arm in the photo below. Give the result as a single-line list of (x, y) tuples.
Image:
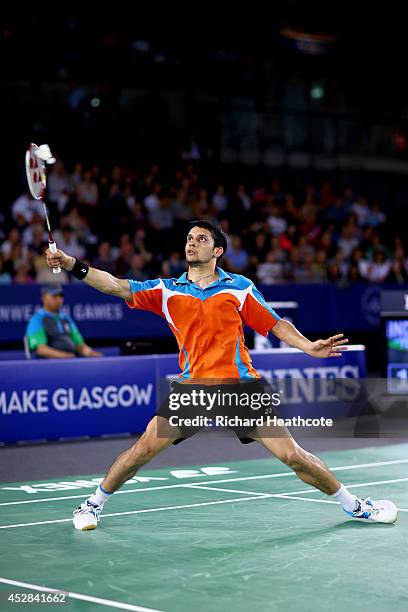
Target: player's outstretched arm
[(102, 281), (331, 347)]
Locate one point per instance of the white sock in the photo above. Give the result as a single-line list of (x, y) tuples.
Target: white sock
[(346, 499), (99, 497)]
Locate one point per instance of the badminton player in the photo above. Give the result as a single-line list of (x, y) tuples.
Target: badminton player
[(206, 309)]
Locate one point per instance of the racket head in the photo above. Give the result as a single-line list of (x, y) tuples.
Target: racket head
[(35, 171)]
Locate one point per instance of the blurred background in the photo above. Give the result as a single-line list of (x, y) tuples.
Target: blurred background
[(290, 131)]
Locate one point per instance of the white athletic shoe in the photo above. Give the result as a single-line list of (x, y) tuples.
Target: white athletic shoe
[(381, 511), (86, 516)]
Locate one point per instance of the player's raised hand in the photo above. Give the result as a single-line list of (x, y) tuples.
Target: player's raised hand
[(332, 347), (59, 259)]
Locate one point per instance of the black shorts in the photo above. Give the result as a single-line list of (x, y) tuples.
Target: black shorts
[(238, 403)]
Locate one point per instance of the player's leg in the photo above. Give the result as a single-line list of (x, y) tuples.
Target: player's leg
[(131, 460), (314, 472), (124, 467), (306, 466)]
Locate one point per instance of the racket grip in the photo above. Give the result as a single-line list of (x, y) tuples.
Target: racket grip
[(53, 249)]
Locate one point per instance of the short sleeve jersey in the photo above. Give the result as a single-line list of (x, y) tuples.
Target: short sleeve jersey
[(208, 323)]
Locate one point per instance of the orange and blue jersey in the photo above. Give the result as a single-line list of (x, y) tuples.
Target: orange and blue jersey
[(208, 323)]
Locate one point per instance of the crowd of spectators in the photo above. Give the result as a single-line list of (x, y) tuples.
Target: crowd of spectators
[(133, 224)]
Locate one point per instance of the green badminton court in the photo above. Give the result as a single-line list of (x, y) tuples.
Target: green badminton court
[(233, 536)]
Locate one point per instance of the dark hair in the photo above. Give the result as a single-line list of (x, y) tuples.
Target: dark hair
[(219, 237)]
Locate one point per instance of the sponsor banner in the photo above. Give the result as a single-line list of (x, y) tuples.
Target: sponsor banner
[(73, 398), (56, 399)]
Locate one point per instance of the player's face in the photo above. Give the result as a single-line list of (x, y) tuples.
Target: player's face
[(199, 246)]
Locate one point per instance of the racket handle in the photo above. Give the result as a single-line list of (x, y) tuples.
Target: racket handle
[(53, 249)]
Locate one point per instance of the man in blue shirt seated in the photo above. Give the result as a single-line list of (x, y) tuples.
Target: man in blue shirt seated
[(53, 334)]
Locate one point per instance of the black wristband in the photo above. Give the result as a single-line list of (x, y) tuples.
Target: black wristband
[(80, 269)]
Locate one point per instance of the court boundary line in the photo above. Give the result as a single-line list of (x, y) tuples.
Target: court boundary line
[(318, 501), (146, 510), (193, 486), (294, 494), (253, 495), (181, 485), (353, 485), (82, 597)]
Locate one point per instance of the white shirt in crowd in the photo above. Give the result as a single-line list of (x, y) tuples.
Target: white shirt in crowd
[(26, 207)]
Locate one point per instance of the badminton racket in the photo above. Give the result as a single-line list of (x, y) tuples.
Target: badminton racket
[(35, 160)]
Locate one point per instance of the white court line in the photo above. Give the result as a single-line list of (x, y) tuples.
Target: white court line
[(181, 485), (98, 600), (351, 486), (318, 501), (194, 486), (211, 503), (253, 495)]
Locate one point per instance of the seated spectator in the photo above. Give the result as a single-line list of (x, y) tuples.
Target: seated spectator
[(87, 191), (76, 221), (237, 258), (136, 270), (174, 266), (270, 272), (334, 273), (123, 261), (309, 208), (243, 198), (180, 206), (260, 247), (141, 245), (104, 260), (340, 261), (353, 274), (239, 207), (398, 272), (295, 270), (336, 213), (290, 210), (326, 243), (319, 266), (219, 199), (356, 255), (77, 176), (161, 217), (51, 333), (377, 270), (305, 248), (13, 240), (59, 185), (377, 246), (348, 240), (17, 254), (35, 236), (361, 210), (276, 221), (67, 242), (22, 273), (151, 201), (23, 209), (375, 217)]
